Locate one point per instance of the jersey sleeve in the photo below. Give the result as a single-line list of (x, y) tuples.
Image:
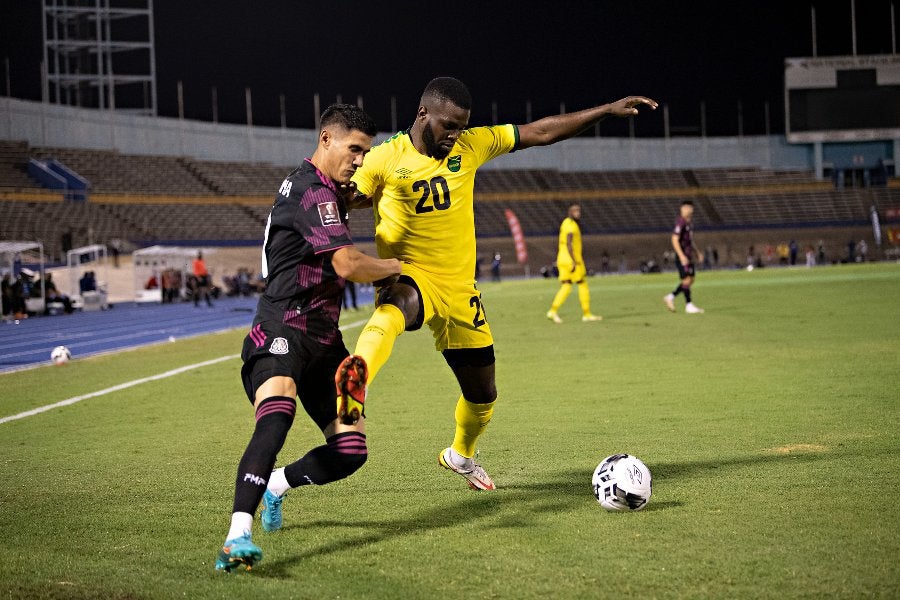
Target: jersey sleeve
[(489, 142), (368, 177), (318, 219)]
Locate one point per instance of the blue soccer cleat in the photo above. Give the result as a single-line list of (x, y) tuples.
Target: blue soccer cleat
[(236, 552), (270, 515)]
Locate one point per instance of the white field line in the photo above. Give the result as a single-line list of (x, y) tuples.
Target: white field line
[(128, 384)]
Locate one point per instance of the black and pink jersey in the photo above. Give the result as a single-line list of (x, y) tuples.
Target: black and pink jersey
[(685, 232), (307, 224)]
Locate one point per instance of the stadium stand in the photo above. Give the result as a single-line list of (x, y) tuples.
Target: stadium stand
[(551, 179), (13, 160), (153, 199), (748, 176), (235, 179), (110, 171)]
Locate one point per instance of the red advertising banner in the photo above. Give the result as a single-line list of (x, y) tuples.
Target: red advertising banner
[(518, 237)]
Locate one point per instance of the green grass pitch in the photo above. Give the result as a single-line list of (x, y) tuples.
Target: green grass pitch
[(770, 425)]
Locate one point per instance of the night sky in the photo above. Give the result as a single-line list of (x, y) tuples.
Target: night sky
[(680, 53)]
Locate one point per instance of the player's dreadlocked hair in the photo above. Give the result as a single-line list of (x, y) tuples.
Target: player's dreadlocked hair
[(350, 117), (448, 88)]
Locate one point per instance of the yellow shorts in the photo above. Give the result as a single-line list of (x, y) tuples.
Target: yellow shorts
[(452, 310), (570, 272)]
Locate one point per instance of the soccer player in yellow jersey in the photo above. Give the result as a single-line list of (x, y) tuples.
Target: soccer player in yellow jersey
[(571, 268), (420, 183)]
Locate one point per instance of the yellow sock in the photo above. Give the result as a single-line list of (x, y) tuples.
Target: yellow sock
[(560, 298), (471, 419), (376, 341), (584, 297)]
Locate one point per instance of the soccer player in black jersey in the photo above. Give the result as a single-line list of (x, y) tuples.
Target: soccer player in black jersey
[(294, 346), (683, 244)]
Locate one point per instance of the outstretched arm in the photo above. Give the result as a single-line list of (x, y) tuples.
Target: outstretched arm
[(352, 264), (550, 130)]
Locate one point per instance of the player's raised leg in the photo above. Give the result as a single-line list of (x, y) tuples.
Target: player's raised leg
[(344, 451), (397, 308), (342, 454)]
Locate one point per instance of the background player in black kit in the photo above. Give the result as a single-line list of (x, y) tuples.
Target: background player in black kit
[(683, 244), (294, 346)]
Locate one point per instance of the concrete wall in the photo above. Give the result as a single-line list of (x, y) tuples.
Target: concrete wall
[(69, 127)]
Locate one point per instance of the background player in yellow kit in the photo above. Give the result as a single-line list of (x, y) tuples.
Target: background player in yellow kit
[(420, 183), (571, 268)]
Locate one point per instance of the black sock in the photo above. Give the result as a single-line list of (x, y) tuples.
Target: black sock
[(342, 454), (274, 417), (678, 290), (687, 294)]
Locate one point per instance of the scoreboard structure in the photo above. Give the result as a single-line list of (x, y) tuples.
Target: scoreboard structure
[(842, 98)]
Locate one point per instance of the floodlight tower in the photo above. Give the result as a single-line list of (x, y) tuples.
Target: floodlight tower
[(81, 39)]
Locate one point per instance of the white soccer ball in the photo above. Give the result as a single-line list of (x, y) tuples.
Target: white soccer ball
[(60, 355), (622, 483)]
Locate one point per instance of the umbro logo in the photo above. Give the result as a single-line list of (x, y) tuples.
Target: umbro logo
[(403, 173)]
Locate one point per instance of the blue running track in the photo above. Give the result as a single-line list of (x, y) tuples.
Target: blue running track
[(126, 325), (27, 343)]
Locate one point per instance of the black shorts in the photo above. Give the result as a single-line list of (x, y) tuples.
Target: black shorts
[(273, 349), (685, 271)]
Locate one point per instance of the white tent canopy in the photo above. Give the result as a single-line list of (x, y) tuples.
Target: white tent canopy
[(153, 261)]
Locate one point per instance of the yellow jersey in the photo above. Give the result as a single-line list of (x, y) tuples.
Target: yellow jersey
[(424, 207), (569, 225)]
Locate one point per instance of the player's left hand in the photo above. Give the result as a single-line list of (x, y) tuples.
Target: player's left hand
[(353, 199), (627, 107), (347, 190)]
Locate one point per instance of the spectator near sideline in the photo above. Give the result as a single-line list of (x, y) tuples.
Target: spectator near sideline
[(862, 251), (88, 282), (202, 280)]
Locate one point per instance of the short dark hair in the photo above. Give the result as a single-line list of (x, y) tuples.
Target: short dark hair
[(448, 88), (687, 202), (350, 117)]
